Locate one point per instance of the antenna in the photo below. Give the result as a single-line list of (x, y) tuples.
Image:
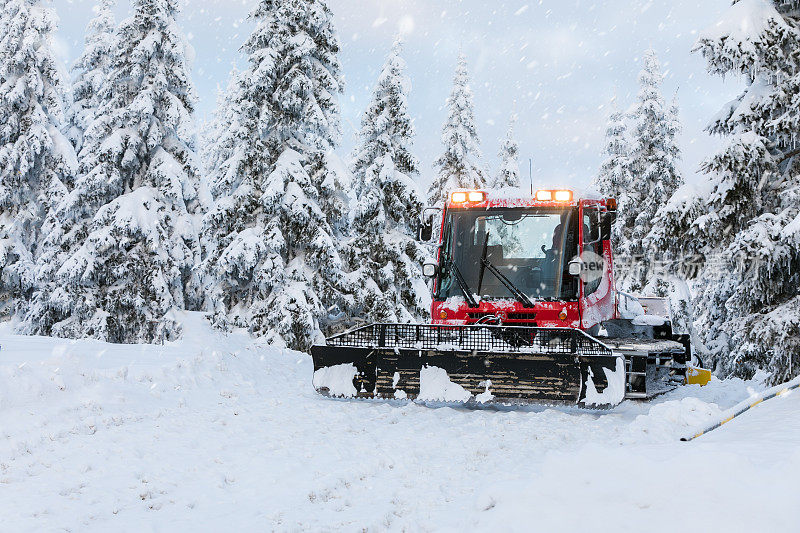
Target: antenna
[(530, 172)]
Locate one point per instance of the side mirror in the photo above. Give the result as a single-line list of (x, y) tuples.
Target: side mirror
[(607, 220), (429, 217), (426, 231), (575, 267), (429, 270)]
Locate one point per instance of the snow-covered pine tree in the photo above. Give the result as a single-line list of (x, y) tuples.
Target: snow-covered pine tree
[(460, 166), (508, 176), (126, 235), (219, 138), (271, 260), (672, 242), (36, 160), (673, 235), (614, 178), (383, 251), (654, 165), (93, 69), (750, 229)]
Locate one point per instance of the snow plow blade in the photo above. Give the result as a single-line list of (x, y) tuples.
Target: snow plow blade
[(466, 364)]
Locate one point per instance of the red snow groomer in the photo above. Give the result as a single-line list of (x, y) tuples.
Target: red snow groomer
[(525, 310)]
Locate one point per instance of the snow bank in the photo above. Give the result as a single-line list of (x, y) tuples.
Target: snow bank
[(613, 489), (670, 420)]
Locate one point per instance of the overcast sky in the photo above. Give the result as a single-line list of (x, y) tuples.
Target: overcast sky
[(556, 63)]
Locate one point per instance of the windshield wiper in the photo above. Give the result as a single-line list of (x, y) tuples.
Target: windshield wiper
[(485, 263), (462, 284)]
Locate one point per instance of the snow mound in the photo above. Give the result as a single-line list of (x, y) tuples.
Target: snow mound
[(648, 320), (337, 379), (671, 420), (435, 386)]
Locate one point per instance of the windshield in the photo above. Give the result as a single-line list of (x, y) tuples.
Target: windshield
[(530, 247)]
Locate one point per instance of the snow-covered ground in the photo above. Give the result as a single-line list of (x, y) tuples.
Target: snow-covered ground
[(218, 433)]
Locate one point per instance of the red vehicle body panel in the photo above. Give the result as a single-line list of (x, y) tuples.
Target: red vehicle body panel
[(584, 313)]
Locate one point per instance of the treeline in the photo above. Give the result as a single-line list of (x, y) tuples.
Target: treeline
[(735, 235), (113, 216)]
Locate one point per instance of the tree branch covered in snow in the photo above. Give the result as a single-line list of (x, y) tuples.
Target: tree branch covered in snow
[(93, 68)]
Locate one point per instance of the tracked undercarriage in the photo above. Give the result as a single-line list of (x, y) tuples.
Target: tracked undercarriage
[(496, 364)]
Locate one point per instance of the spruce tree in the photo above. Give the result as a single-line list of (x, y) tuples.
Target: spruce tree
[(615, 178), (653, 164), (673, 234), (672, 241), (460, 166), (749, 231), (383, 252), (508, 176), (93, 68), (670, 245), (271, 260), (126, 232), (219, 139), (36, 160)]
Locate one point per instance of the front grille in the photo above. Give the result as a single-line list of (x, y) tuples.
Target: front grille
[(528, 316), (522, 316), (477, 315), (472, 338)]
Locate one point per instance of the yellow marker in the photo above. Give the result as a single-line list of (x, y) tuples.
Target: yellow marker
[(697, 376), (757, 402)]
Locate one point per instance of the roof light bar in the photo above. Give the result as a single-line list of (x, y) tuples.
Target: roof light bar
[(461, 197), (554, 196), (563, 196)]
